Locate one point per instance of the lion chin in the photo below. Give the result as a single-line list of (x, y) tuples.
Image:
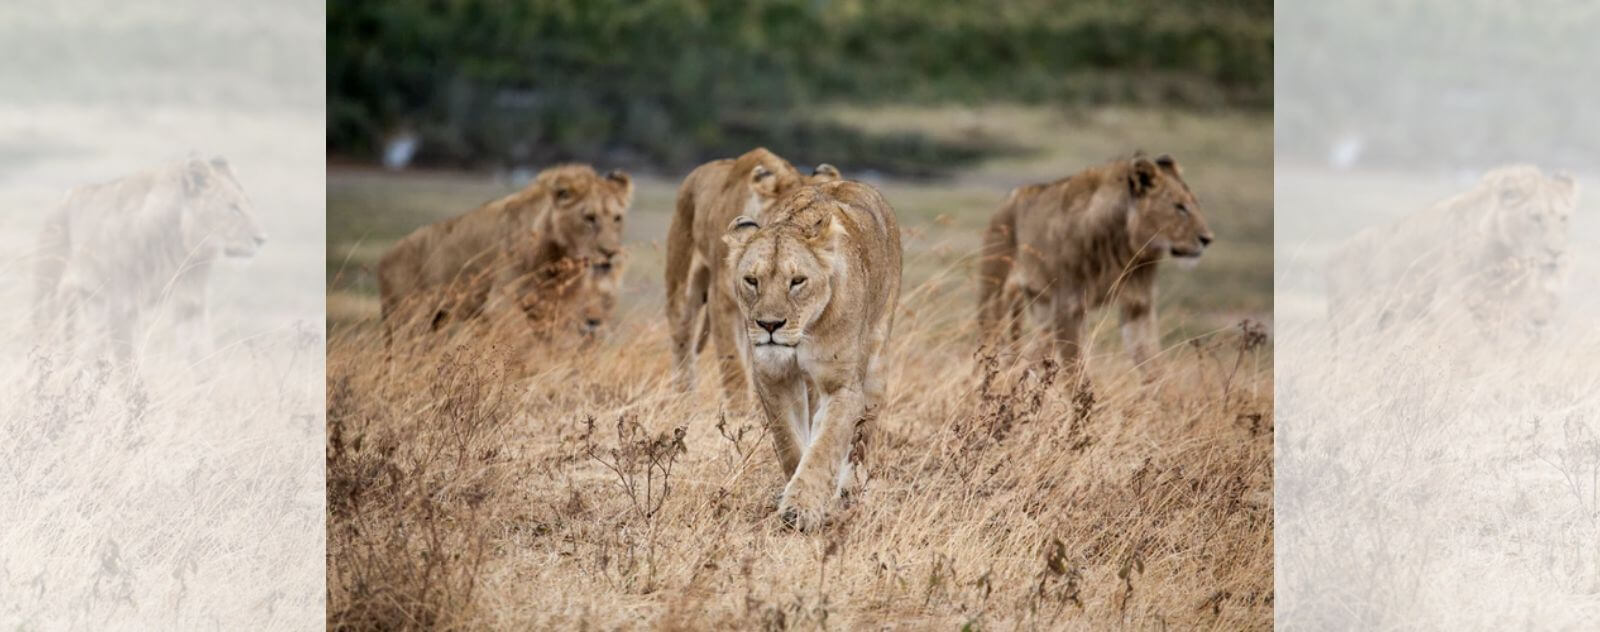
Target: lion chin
[(1187, 261)]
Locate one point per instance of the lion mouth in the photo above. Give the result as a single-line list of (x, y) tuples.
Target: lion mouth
[(1185, 253)]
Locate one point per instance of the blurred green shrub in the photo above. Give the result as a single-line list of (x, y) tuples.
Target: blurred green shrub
[(672, 82)]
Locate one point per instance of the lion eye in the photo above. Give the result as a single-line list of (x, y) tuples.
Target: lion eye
[(797, 281), (590, 218), (750, 281), (1183, 209)]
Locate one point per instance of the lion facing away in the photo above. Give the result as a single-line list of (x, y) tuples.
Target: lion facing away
[(816, 284), (112, 252), (1495, 255), (498, 260), (710, 197), (1084, 241)]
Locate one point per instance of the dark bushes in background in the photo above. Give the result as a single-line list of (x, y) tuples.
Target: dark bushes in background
[(669, 83)]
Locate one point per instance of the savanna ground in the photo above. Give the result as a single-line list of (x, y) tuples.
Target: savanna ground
[(197, 501), (486, 484), (1435, 477)]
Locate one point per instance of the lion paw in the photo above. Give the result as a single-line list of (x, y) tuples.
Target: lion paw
[(801, 511)]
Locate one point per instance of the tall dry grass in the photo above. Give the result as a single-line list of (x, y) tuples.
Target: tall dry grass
[(485, 483)]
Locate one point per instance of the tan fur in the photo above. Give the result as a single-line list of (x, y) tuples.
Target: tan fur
[(1081, 242), (505, 256), (816, 285), (594, 303), (1495, 254), (710, 197), (114, 251)]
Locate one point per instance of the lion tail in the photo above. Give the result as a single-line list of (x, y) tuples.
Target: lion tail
[(998, 254)]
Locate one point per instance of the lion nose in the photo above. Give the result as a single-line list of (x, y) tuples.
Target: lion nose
[(1205, 240), (608, 252), (771, 325)]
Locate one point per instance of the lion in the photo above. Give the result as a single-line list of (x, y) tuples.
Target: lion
[(711, 196), (1085, 241), (1495, 254), (581, 305), (114, 251), (816, 283), (490, 262)]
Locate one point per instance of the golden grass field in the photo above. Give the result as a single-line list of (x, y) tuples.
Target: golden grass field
[(482, 483)]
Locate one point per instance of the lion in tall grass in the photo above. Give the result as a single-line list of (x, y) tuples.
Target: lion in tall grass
[(816, 283), (112, 252), (710, 197), (1495, 255), (1084, 241), (498, 261)]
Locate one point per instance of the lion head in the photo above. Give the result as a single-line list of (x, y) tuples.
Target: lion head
[(585, 210), (1165, 217), (771, 178), (1525, 213), (218, 216), (782, 273), (597, 297)]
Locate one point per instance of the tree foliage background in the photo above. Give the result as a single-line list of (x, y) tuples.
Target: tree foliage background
[(668, 83)]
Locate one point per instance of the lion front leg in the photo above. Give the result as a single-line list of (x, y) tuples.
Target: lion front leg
[(824, 465), (1139, 334), (1067, 332), (684, 311), (727, 328), (784, 403)]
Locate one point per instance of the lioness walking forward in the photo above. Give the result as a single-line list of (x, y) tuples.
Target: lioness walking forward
[(711, 196), (1078, 243), (817, 283)]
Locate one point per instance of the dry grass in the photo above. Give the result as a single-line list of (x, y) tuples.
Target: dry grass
[(585, 493), (487, 484)]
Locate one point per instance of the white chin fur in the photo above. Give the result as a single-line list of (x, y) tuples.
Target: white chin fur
[(1187, 263)]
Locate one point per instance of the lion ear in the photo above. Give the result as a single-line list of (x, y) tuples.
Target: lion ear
[(740, 231), (562, 192), (764, 181), (825, 233), (1142, 177), (622, 178), (1166, 161), (826, 173)]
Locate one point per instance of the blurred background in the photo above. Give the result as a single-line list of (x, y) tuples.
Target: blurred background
[(669, 84), (437, 107)]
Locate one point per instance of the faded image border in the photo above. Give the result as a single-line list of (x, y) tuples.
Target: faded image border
[(1437, 289), (161, 315)]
